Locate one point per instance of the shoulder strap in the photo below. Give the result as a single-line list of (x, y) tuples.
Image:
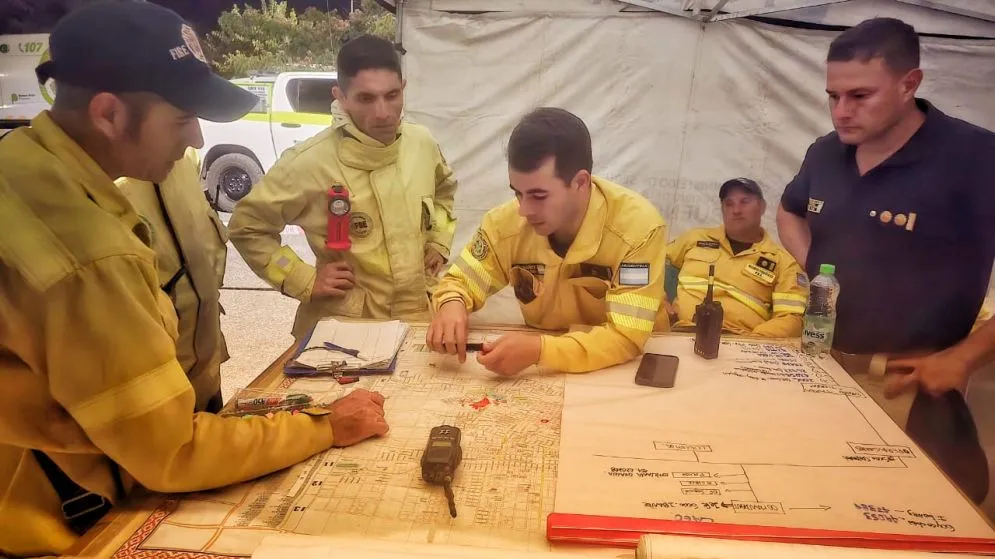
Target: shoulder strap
[(170, 285), (80, 508)]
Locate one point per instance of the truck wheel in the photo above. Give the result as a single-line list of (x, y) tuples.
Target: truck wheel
[(232, 176)]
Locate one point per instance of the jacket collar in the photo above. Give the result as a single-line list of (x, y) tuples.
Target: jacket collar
[(90, 177), (588, 239), (358, 150), (763, 246)]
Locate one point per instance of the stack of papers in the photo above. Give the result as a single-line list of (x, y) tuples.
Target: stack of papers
[(351, 347)]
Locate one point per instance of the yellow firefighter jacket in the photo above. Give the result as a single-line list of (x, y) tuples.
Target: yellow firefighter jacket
[(611, 278), (402, 201), (87, 358), (763, 291), (190, 243)]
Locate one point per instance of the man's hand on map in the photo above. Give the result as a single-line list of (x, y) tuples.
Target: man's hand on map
[(936, 374), (357, 417), (511, 354), (448, 331)]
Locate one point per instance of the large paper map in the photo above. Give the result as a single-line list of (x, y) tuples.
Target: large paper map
[(761, 436), (503, 488)]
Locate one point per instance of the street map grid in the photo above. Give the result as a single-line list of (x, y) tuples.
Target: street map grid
[(504, 487)]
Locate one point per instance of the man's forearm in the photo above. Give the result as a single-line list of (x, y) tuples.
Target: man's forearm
[(978, 349), (794, 234)]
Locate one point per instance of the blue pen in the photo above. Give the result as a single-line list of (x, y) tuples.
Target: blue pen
[(345, 350)]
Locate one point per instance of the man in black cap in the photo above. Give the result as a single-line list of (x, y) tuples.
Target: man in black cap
[(94, 400), (761, 288)]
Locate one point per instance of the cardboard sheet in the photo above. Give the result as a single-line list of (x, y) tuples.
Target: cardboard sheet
[(763, 436)]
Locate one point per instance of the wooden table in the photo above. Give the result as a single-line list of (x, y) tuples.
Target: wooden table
[(125, 519), (122, 523)]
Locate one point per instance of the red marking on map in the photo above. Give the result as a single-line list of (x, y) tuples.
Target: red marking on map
[(483, 403)]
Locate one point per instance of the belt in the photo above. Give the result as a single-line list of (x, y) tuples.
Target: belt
[(873, 364), (81, 509)]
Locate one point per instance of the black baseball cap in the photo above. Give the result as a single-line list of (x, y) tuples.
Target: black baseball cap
[(746, 185), (122, 46)]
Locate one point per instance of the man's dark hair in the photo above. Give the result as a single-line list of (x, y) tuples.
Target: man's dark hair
[(550, 132), (76, 99), (891, 39), (366, 52)]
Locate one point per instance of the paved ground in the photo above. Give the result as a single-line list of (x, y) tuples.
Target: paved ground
[(258, 320)]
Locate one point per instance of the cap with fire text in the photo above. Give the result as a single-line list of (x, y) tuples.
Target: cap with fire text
[(122, 47)]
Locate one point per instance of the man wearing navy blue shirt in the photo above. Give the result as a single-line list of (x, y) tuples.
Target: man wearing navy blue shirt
[(900, 199)]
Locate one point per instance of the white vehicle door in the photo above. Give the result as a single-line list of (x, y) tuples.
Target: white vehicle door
[(21, 98), (310, 100)]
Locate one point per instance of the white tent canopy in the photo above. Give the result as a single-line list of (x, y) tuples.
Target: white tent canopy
[(675, 105)]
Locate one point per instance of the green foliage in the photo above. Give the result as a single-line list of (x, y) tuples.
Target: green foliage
[(274, 38)]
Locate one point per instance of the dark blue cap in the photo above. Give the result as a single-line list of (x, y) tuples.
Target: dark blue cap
[(749, 186), (122, 47)]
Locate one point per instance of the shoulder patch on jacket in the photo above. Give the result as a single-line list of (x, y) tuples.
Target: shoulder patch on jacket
[(636, 274), (708, 244), (479, 247), (29, 247)]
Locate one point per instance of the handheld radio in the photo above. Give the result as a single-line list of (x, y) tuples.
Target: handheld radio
[(708, 322), (442, 456)]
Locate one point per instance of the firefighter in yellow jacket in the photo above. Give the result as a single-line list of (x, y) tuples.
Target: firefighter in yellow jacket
[(190, 243), (94, 401), (763, 291), (578, 249), (400, 191)]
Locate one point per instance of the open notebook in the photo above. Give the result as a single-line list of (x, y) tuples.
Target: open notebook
[(335, 346)]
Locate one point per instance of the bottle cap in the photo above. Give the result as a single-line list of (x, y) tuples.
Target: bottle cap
[(827, 269)]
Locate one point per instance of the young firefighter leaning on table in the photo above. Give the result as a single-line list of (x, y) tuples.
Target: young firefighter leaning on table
[(762, 289), (94, 401), (578, 249)]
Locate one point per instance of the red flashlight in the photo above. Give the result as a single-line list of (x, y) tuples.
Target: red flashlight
[(338, 219)]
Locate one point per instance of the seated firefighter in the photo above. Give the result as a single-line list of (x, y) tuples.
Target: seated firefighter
[(578, 249), (763, 291)]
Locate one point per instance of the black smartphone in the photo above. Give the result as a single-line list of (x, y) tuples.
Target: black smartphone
[(657, 370)]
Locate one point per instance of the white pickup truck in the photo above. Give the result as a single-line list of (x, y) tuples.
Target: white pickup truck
[(292, 107), (21, 98)]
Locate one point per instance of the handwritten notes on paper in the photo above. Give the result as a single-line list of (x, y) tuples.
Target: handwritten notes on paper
[(375, 342), (764, 435)]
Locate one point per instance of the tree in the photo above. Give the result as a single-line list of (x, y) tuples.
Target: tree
[(33, 16), (274, 38), (371, 18)]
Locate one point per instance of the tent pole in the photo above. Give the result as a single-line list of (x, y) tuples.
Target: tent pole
[(944, 7)]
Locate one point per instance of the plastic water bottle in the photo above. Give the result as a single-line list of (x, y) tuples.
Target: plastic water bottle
[(820, 316)]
